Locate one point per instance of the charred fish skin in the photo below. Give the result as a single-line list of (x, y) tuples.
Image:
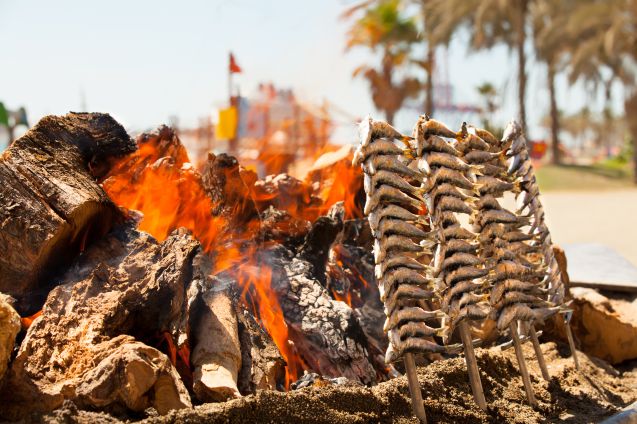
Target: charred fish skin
[(521, 169), (402, 245), (451, 190)]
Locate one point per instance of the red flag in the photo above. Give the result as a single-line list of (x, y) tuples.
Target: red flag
[(233, 67)]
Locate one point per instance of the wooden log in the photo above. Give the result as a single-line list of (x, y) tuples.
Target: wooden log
[(51, 208), (97, 338), (472, 365), (414, 388), (326, 333), (526, 379), (538, 353), (262, 366), (216, 358)]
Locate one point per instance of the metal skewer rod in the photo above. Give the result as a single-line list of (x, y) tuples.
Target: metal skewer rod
[(513, 327), (538, 352), (472, 366), (414, 388)]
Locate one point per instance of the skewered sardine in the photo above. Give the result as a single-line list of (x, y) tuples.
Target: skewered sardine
[(445, 175), (452, 162), (390, 226), (391, 164), (391, 179), (409, 314), (370, 130), (454, 204), (392, 244), (389, 194), (377, 147), (398, 261), (394, 211), (513, 285)]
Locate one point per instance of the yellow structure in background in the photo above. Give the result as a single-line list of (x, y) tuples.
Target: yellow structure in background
[(227, 125)]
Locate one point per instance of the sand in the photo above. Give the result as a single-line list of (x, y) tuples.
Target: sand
[(573, 397)]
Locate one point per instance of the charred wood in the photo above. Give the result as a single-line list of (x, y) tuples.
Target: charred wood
[(50, 205)]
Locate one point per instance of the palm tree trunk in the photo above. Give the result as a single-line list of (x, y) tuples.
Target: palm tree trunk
[(630, 108), (521, 40), (555, 118), (429, 84), (431, 56)]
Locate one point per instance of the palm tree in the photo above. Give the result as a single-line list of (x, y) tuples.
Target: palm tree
[(489, 22), (489, 94), (606, 34), (384, 29), (551, 44)]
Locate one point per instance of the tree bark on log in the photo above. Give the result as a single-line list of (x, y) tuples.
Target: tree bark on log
[(93, 342), (262, 366), (50, 205), (325, 332)]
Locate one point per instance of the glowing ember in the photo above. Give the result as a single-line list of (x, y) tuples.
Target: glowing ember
[(159, 181)]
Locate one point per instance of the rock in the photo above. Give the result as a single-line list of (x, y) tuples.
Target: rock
[(92, 342), (605, 324), (9, 329)]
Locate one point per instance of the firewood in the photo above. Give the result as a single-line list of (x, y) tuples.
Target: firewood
[(216, 358), (262, 366), (96, 332), (325, 332), (223, 180), (51, 208)]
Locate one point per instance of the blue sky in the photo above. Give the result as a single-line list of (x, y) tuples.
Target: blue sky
[(144, 61)]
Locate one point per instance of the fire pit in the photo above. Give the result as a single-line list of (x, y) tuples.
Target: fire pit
[(148, 286)]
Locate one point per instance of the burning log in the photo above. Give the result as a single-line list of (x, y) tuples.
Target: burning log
[(51, 208), (226, 184), (216, 357), (325, 332), (126, 290), (287, 193), (262, 366)]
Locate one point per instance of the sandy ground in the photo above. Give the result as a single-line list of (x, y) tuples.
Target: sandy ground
[(572, 397), (607, 217)]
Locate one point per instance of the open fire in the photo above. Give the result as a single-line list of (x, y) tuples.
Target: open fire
[(159, 181), (245, 284)]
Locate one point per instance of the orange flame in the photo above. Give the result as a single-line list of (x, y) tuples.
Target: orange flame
[(159, 181)]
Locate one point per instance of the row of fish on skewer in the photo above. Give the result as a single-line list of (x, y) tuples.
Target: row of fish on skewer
[(433, 270)]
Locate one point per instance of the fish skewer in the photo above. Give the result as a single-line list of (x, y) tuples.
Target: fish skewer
[(449, 191), (513, 295), (520, 170), (402, 241)]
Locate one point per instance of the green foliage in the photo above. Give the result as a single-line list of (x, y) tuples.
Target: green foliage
[(384, 28)]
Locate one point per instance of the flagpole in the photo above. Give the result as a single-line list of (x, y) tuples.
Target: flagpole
[(229, 78)]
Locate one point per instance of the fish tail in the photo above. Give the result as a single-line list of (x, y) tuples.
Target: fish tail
[(443, 332), (477, 169), (517, 187), (409, 153)]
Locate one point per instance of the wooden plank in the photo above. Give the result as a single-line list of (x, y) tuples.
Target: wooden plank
[(600, 267)]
